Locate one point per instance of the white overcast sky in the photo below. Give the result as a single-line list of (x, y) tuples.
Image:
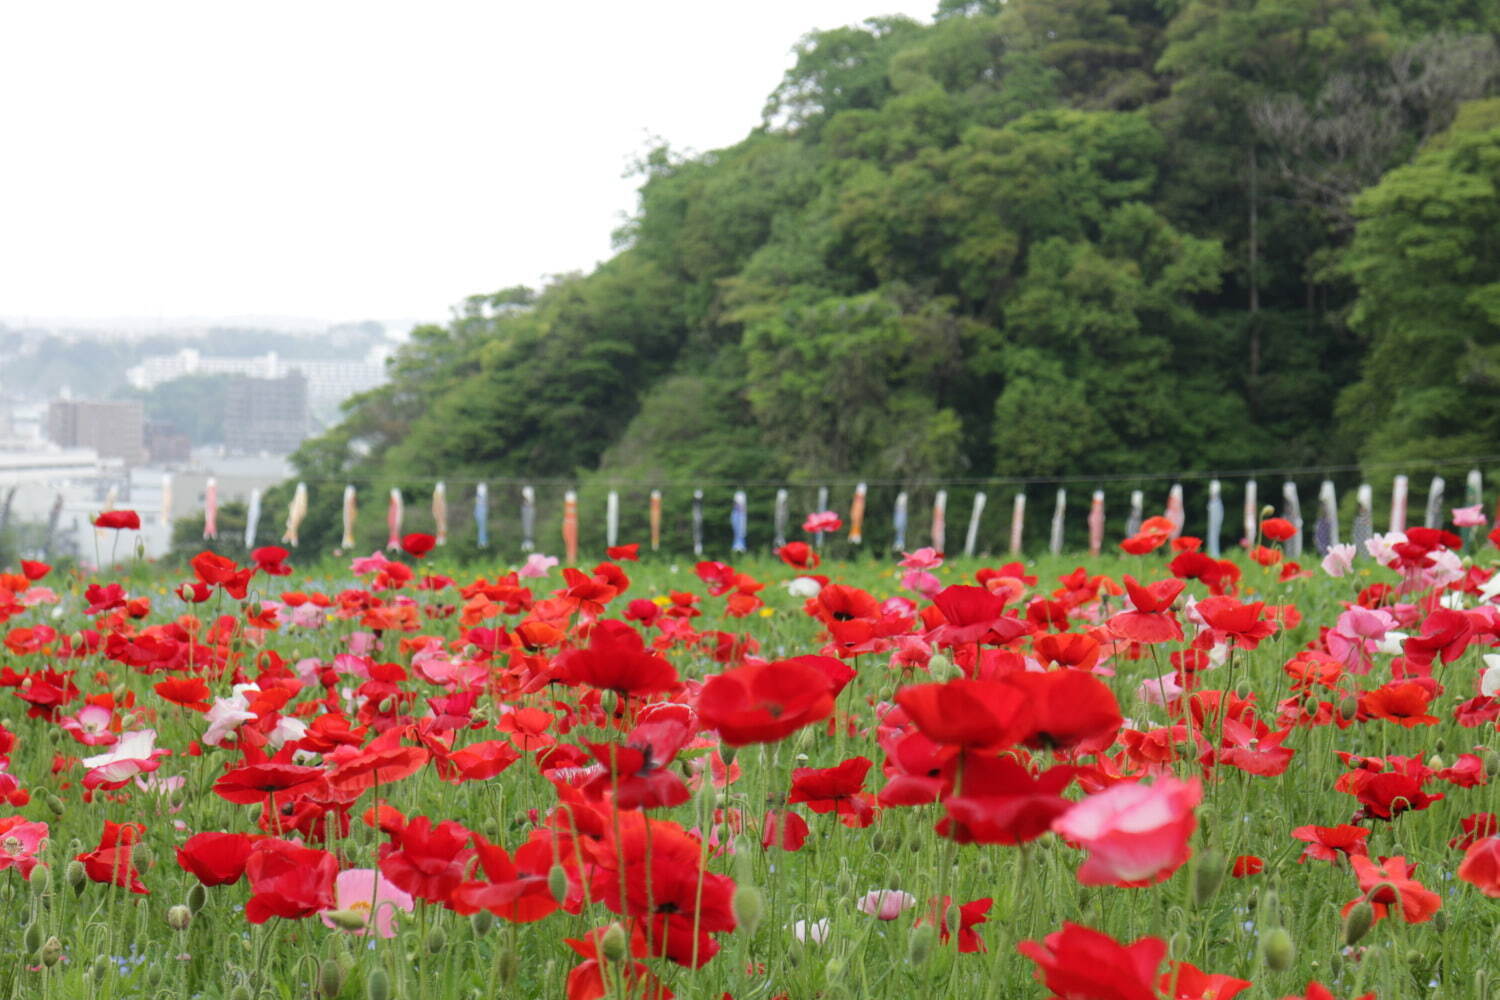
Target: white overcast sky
[(346, 160)]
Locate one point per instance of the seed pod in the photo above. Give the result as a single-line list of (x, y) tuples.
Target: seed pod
[(1208, 876), (749, 907), (1277, 950), (330, 979), (557, 883), (482, 921), (179, 917), (1358, 921), (612, 946), (377, 985)]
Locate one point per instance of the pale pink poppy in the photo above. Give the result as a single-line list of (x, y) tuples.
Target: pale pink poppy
[(372, 563), (20, 841), (1339, 560), (537, 566), (371, 895), (825, 520), (1469, 517), (923, 558), (134, 754), (923, 583), (887, 904), (1136, 834)]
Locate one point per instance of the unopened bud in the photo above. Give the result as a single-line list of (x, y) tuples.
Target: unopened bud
[(1358, 921), (612, 944), (100, 968), (834, 969), (31, 938), (1208, 876), (749, 907), (953, 919), (940, 667), (241, 992), (41, 880), (437, 940), (197, 897), (482, 921), (919, 944), (55, 804), (178, 917), (76, 876), (1277, 949), (727, 754), (377, 985), (1268, 910), (330, 979), (52, 952), (348, 920), (557, 883)]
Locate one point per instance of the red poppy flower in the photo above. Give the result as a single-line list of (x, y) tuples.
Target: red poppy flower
[(1069, 649), (1066, 709), (271, 560), (765, 702), (1481, 866), (1081, 962), (1246, 865), (111, 862), (216, 858), (799, 555), (34, 570), (189, 692), (1386, 794), (425, 860), (418, 544), (1390, 882), (1278, 529), (1445, 634), (1002, 803), (1404, 703), (119, 520), (515, 890), (1151, 621), (617, 660), (256, 783), (1476, 826), (1184, 981), (222, 571), (786, 829), (970, 915), (1234, 622), (631, 552), (967, 714), (841, 788), (288, 881), (973, 614)]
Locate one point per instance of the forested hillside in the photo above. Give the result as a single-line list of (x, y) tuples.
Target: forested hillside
[(1033, 238)]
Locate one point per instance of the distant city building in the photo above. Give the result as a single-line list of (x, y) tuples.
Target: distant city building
[(266, 415), (330, 381), (113, 429), (166, 445)]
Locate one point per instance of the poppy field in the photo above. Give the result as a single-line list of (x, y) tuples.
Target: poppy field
[(1155, 775)]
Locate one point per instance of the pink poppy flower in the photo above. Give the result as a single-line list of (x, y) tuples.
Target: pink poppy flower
[(372, 563), (825, 520), (923, 558), (923, 583), (1136, 834), (20, 840), (537, 566), (1469, 517), (366, 892), (887, 904), (1339, 560)]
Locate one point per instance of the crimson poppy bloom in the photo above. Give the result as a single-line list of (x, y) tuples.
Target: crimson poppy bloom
[(271, 560), (1002, 803), (1081, 962), (418, 544), (799, 555), (826, 789), (973, 614), (112, 862), (1278, 529), (967, 714), (252, 784), (425, 860), (765, 702), (189, 692), (119, 520), (631, 552), (288, 881), (34, 570), (1481, 866), (1152, 620), (617, 660), (1233, 621), (1066, 709), (216, 858), (1390, 882), (1185, 981), (514, 889)]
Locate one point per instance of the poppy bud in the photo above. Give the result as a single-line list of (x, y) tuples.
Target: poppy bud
[(76, 876), (1413, 957), (507, 966), (348, 920), (1207, 876), (41, 881), (482, 921), (612, 945), (1348, 708), (609, 702), (1267, 511), (1436, 762), (100, 968), (178, 917), (1277, 950), (557, 883), (1440, 921), (834, 968), (330, 979), (748, 906), (241, 992), (919, 944), (378, 985), (55, 804), (1482, 984), (1358, 921), (727, 754), (744, 859), (31, 938), (1491, 763), (196, 897), (437, 940), (953, 919), (1440, 744), (1268, 910), (52, 952)]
